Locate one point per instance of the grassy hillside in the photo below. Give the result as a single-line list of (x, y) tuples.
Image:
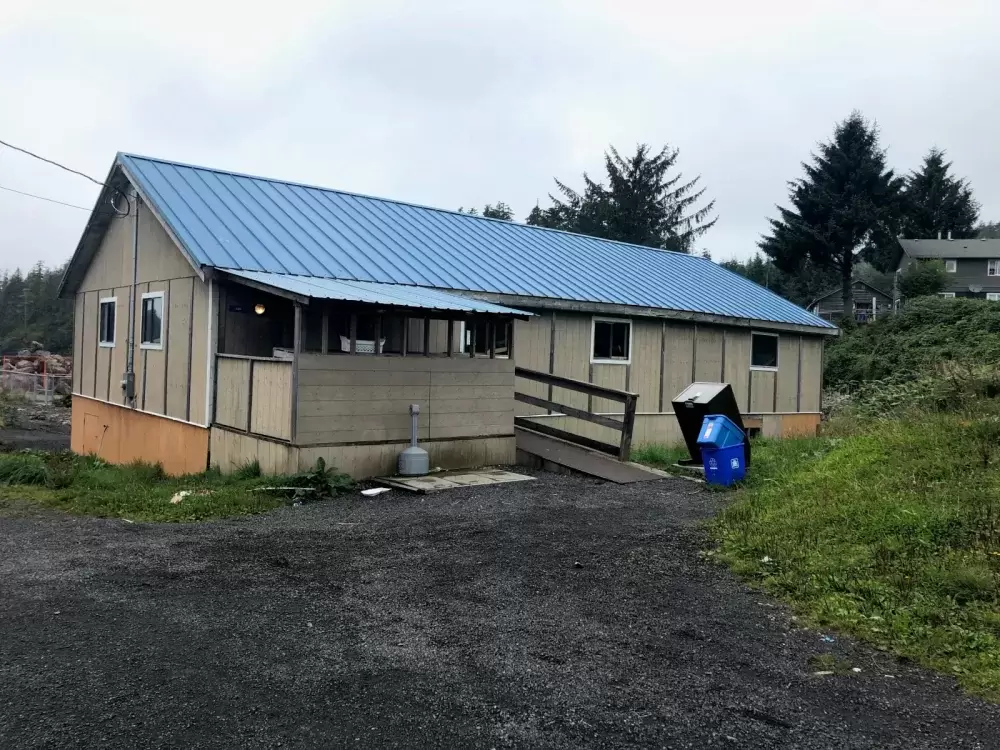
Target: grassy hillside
[(926, 332)]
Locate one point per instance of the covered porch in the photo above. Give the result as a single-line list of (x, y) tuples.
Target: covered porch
[(312, 368)]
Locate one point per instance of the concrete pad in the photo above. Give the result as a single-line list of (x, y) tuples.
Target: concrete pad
[(499, 476)]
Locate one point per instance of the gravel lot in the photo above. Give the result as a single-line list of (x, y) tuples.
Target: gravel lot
[(559, 613)]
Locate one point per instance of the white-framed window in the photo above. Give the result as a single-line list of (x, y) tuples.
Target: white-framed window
[(993, 296), (476, 332), (611, 341), (152, 322), (947, 295), (993, 267), (763, 351), (951, 266), (106, 321)]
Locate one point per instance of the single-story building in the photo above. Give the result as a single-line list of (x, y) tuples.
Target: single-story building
[(222, 318), (869, 302)]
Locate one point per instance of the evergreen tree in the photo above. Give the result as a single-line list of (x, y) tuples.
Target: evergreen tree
[(642, 203), (935, 201), (848, 202), (499, 210), (989, 230)]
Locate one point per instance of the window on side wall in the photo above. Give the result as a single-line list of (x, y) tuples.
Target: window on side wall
[(106, 323), (993, 267), (951, 266), (151, 321), (993, 296), (611, 341), (764, 351), (947, 295)]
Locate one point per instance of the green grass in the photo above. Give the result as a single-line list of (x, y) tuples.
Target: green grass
[(890, 532), (141, 492), (659, 456)]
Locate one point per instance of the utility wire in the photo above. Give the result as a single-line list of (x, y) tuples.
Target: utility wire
[(42, 198), (53, 163)]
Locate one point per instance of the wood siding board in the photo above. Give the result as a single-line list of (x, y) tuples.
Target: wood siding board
[(79, 322), (786, 384), (533, 349), (678, 360), (708, 364), (738, 365), (190, 352), (273, 394), (762, 384), (811, 374), (663, 361)]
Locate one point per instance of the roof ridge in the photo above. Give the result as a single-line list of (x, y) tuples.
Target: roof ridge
[(398, 202)]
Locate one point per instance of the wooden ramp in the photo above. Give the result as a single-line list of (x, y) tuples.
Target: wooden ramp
[(551, 453)]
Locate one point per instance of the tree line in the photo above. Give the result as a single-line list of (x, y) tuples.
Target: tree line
[(844, 214), (31, 312)]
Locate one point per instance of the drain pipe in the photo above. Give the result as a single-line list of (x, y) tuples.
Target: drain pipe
[(414, 461), (128, 380)]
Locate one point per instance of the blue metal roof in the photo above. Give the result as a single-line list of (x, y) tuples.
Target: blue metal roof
[(232, 221), (375, 293)]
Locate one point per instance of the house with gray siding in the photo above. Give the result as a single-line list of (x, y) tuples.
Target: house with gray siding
[(868, 303), (972, 266)]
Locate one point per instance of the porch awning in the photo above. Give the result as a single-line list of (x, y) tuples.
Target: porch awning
[(304, 288)]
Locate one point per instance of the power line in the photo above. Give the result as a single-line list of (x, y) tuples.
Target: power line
[(53, 163), (42, 198)]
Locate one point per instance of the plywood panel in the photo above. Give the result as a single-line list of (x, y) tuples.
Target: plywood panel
[(155, 360), (788, 372), (799, 425), (231, 450), (708, 357), (88, 363), (272, 399), (233, 392), (532, 339), (812, 373), (120, 435), (200, 342), (738, 366), (159, 257), (79, 321), (761, 391), (610, 376), (178, 346), (644, 375), (678, 355), (139, 363), (572, 356)]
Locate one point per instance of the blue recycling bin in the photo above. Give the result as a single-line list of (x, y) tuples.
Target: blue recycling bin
[(722, 450)]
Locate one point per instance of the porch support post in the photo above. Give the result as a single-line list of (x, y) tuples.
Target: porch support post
[(491, 337), (354, 333), (296, 352), (427, 337), (325, 346), (472, 337), (405, 336), (451, 337), (378, 334)]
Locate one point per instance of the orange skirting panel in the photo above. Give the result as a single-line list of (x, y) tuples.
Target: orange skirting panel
[(799, 425), (120, 435)]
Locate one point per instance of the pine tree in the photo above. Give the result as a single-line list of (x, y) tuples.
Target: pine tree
[(848, 203), (642, 203), (935, 201), (499, 210), (989, 230)]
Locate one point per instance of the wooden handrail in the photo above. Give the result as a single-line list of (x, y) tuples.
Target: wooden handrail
[(625, 425)]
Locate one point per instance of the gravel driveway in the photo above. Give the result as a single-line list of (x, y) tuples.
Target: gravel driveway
[(560, 613)]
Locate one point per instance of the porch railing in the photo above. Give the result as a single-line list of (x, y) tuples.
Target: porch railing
[(254, 395), (623, 425)]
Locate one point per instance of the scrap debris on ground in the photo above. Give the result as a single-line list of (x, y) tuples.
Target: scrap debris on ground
[(557, 613)]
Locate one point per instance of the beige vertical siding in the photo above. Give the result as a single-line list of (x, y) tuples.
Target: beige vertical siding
[(644, 373), (572, 356), (812, 373), (531, 351), (738, 365), (788, 373), (271, 412), (678, 361), (708, 365), (762, 391), (232, 399), (162, 376)]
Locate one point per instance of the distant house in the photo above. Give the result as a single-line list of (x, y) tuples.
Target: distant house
[(972, 266), (869, 302), (285, 323)]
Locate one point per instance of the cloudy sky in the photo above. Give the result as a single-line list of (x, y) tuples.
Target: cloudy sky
[(461, 102)]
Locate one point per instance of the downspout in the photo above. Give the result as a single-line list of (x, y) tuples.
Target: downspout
[(128, 381)]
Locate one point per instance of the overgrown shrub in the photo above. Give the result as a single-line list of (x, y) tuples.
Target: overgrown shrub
[(911, 343), (922, 279), (326, 482), (247, 470), (23, 468)]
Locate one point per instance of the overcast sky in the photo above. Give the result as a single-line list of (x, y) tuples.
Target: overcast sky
[(460, 102)]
